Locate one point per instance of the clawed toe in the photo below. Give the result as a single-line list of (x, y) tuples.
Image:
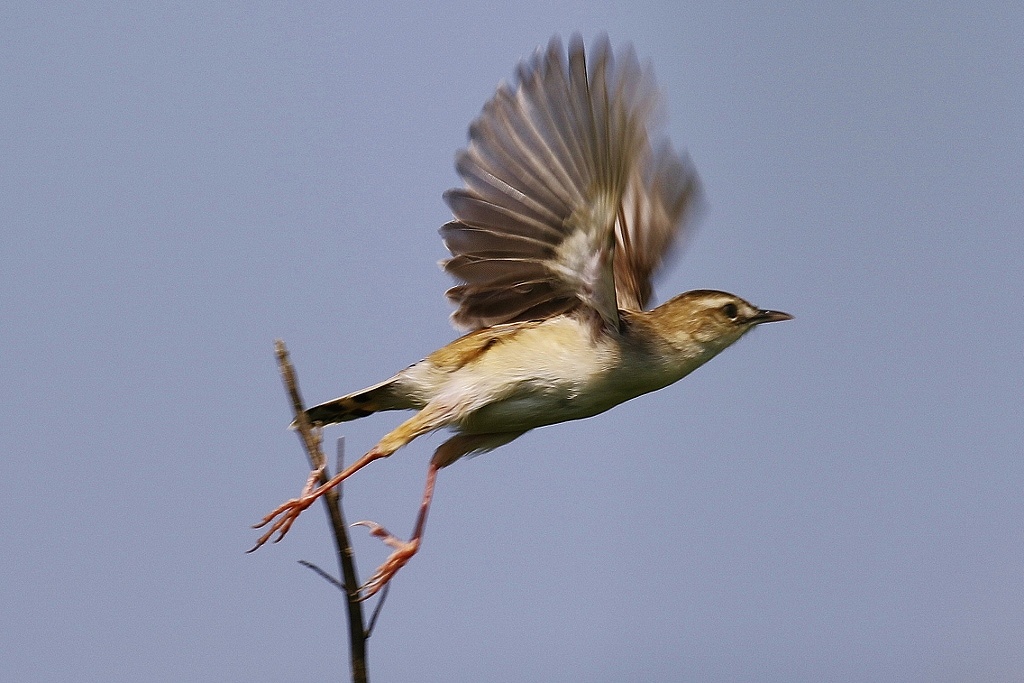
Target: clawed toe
[(283, 517), (383, 534), (404, 550)]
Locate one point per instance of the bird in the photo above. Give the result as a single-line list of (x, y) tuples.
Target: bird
[(573, 198)]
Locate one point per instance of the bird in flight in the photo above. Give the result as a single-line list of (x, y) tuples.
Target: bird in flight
[(571, 201)]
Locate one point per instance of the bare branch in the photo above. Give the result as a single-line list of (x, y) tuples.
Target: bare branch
[(324, 575), (311, 440)]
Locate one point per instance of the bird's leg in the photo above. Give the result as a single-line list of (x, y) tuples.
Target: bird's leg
[(288, 512), (447, 453), (404, 550), (284, 515)]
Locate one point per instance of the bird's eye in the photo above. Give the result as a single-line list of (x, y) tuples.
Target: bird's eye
[(730, 311)]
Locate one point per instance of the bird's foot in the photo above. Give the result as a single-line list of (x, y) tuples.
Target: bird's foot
[(284, 515), (404, 550)]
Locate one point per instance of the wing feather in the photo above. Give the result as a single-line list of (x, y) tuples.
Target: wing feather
[(565, 205), (663, 196)]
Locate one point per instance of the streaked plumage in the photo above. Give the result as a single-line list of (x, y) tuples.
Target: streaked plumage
[(572, 200)]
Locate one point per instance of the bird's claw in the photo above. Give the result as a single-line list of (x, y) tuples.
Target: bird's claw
[(283, 516), (404, 550), (289, 511)]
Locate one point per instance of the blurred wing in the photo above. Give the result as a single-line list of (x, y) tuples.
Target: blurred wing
[(659, 203), (553, 166)]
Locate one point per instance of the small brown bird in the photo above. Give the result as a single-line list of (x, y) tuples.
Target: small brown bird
[(571, 202)]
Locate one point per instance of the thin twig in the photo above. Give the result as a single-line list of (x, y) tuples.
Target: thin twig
[(311, 439), (323, 575), (377, 609)]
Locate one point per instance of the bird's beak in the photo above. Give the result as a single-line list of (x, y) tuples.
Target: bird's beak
[(765, 316)]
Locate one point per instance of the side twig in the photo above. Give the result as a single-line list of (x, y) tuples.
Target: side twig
[(311, 440)]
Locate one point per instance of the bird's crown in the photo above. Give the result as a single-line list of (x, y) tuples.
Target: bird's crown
[(711, 317)]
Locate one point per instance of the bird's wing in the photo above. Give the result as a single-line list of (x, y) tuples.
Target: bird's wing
[(657, 208), (565, 203)]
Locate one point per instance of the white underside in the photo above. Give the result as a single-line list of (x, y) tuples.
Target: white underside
[(547, 374)]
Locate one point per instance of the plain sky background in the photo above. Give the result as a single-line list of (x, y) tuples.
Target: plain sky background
[(837, 498)]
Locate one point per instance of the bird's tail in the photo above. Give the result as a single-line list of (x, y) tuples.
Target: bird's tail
[(383, 396)]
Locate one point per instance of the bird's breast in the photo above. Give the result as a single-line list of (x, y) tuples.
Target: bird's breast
[(556, 372), (535, 405)]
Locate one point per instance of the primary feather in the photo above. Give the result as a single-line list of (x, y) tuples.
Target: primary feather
[(567, 203)]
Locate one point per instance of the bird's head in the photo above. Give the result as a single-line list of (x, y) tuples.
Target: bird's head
[(710, 319)]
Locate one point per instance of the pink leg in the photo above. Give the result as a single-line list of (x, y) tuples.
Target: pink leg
[(288, 512), (447, 453), (283, 516), (404, 550)]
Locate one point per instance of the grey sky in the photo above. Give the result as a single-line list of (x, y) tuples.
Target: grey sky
[(836, 498)]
